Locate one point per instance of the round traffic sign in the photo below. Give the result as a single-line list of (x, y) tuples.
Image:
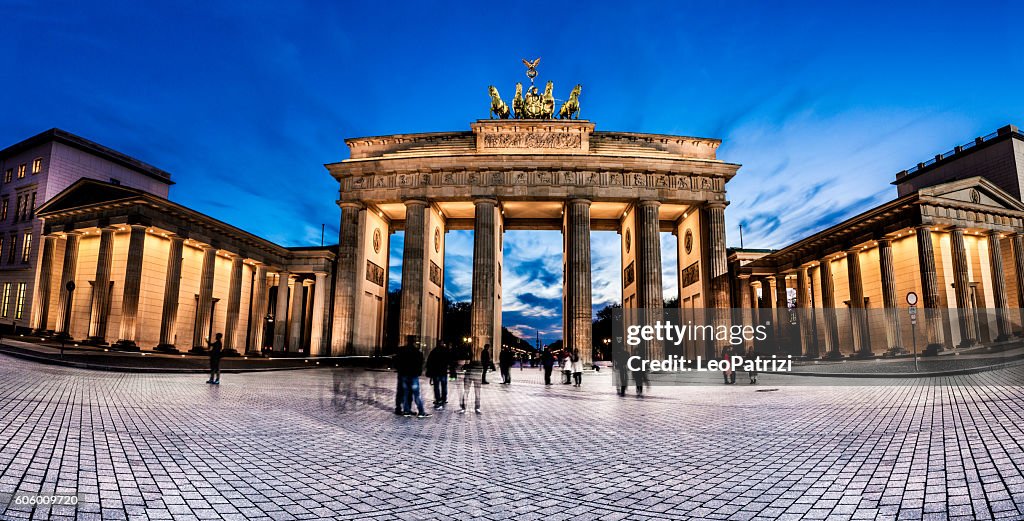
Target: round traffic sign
[(911, 298)]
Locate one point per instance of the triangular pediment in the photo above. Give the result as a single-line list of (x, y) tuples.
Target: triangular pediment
[(87, 192), (974, 191)]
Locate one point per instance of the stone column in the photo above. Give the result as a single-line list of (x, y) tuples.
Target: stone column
[(410, 315), (41, 307), (828, 309), (484, 277), (713, 216), (200, 331), (101, 288), (781, 312), (307, 314), (808, 346), (234, 304), (316, 337), (132, 288), (172, 290), (281, 312), (745, 302), (995, 256), (1017, 240), (259, 310), (858, 317), (961, 286), (296, 319), (67, 277), (648, 267), (929, 287), (578, 308), (892, 316), (345, 278)]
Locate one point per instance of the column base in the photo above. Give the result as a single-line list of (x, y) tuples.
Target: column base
[(125, 345), (197, 350), (166, 348), (833, 355), (230, 352), (864, 355), (62, 336), (95, 341), (933, 349)]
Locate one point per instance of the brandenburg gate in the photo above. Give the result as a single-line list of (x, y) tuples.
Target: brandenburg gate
[(522, 174)]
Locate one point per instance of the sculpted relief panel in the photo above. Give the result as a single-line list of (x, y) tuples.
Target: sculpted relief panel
[(531, 140), (681, 182)]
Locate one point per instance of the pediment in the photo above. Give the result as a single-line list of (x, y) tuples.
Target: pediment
[(974, 191), (86, 192)]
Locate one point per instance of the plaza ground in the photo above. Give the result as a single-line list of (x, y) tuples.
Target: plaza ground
[(324, 443)]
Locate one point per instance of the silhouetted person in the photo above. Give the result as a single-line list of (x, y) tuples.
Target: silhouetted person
[(728, 372), (548, 361), (487, 360), (438, 362), (505, 361), (754, 357), (216, 353), (410, 366)]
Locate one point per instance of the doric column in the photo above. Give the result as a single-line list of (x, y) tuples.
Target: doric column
[(929, 287), (995, 256), (808, 347), (410, 315), (746, 304), (858, 317), (1017, 240), (41, 307), (345, 278), (234, 303), (307, 313), (718, 262), (961, 287), (172, 293), (200, 330), (101, 288), (892, 319), (828, 309), (259, 310), (484, 277), (316, 337), (781, 296), (67, 278), (578, 309), (648, 267), (781, 312), (281, 311), (296, 319), (132, 288)]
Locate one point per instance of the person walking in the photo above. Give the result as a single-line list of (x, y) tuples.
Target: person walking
[(753, 357), (567, 368), (472, 377), (487, 361), (727, 370), (410, 366), (505, 361), (216, 353), (577, 367), (547, 360), (437, 370)]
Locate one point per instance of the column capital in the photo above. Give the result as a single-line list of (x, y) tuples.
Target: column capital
[(956, 229), (307, 282), (990, 233), (579, 200), (485, 200), (648, 202), (416, 202), (884, 241), (353, 205), (715, 205)]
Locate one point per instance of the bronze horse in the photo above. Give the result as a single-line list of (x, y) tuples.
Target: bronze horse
[(571, 108), (549, 101), (517, 102), (498, 108)]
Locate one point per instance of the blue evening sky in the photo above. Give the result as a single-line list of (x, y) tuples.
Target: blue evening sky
[(243, 103)]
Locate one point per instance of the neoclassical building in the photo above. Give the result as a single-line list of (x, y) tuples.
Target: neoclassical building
[(952, 238), (523, 175)]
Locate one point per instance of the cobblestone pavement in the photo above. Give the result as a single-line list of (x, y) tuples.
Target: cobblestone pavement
[(325, 444)]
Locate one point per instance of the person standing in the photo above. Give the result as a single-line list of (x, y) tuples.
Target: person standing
[(547, 360), (577, 367), (472, 377), (727, 370), (752, 356), (505, 361), (437, 370), (410, 366), (487, 361), (216, 353), (567, 368)]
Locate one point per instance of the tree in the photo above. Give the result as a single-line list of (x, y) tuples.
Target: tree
[(602, 330)]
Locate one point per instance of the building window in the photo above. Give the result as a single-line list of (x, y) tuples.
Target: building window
[(26, 248), (8, 175), (17, 210), (12, 249), (20, 307), (37, 165), (21, 171), (1, 246), (31, 207), (3, 209), (7, 298)]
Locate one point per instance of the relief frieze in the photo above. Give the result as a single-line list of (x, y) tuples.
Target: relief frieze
[(532, 140)]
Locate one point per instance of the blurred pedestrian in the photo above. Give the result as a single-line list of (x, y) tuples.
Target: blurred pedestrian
[(577, 367), (216, 353), (410, 367), (472, 378), (487, 361), (547, 360), (438, 362), (505, 361)]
